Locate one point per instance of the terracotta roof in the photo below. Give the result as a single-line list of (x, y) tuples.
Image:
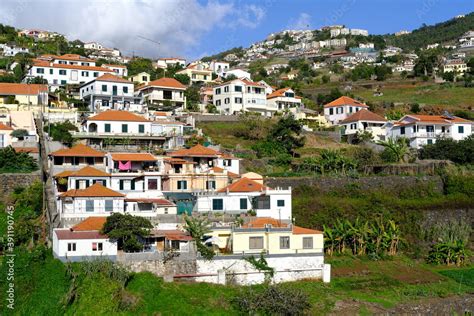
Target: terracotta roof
[(221, 170), (244, 185), (95, 190), (196, 151), (364, 115), (303, 231), (74, 57), (344, 101), (64, 234), (133, 157), (4, 127), (41, 63), (279, 93), (87, 171), (90, 224), (172, 234), (111, 78), (437, 119), (178, 161), (114, 66), (165, 82), (32, 150), (22, 89), (160, 202), (116, 115), (79, 150)]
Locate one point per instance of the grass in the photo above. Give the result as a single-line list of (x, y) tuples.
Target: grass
[(223, 133), (462, 276), (434, 95)]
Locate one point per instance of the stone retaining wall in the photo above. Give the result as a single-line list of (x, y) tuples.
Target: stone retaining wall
[(10, 181)]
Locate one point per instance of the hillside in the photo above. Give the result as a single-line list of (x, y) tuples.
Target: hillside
[(443, 32)]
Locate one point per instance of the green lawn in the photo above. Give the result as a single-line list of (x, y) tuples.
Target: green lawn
[(223, 133)]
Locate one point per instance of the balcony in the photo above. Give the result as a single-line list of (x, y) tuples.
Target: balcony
[(124, 135), (430, 135)]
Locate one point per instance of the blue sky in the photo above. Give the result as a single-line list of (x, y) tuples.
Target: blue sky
[(379, 17), (196, 28)]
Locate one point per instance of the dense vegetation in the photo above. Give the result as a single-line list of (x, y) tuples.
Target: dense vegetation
[(12, 161), (61, 132), (461, 152)]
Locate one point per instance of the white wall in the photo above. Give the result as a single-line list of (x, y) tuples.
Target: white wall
[(340, 113), (72, 76), (116, 127), (83, 247)]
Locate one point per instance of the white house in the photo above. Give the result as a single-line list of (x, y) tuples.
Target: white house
[(218, 67), (83, 242), (24, 93), (455, 65), (245, 195), (110, 92), (342, 108), (141, 78), (425, 129), (241, 95), (93, 45), (11, 50), (364, 120), (159, 92), (119, 70), (238, 73), (61, 72), (198, 73), (5, 138), (171, 61), (115, 122), (284, 99)]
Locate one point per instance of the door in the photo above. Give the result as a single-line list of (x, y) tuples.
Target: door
[(185, 207), (114, 90)]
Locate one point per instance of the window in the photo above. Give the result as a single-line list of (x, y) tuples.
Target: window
[(218, 102), (280, 203), (96, 74), (167, 94), (430, 129), (443, 129), (63, 82), (85, 73), (51, 71), (141, 128), (226, 89), (430, 141), (238, 88), (124, 128), (285, 242), (261, 203), (255, 242), (402, 130), (107, 127), (227, 162), (89, 206), (414, 129), (62, 72), (109, 205), (243, 204), (238, 100), (218, 91), (331, 111), (71, 246), (210, 184), (182, 185), (461, 129), (121, 184), (144, 78), (226, 100), (350, 109), (353, 126), (97, 246), (104, 88), (193, 76), (125, 89), (307, 242), (40, 70), (217, 204), (152, 184)]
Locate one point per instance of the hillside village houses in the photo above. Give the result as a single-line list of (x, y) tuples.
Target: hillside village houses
[(110, 92), (364, 121), (198, 73), (283, 99), (141, 78), (164, 90), (341, 108), (10, 50), (23, 93), (425, 129), (457, 66), (170, 61)]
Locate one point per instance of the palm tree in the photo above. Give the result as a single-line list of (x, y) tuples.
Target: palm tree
[(397, 146), (197, 227)]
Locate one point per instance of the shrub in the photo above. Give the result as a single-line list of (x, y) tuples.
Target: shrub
[(12, 161)]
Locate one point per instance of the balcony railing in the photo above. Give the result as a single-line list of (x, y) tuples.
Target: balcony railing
[(124, 135)]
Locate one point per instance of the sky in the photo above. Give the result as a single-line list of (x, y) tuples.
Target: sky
[(197, 28)]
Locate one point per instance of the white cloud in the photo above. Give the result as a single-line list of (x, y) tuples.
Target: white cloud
[(303, 22), (177, 24), (250, 16)]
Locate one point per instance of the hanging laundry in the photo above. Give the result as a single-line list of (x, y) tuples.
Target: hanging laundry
[(125, 165)]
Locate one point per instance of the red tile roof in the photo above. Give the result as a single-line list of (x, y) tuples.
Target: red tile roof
[(279, 93), (116, 115), (196, 151), (95, 190), (90, 224), (244, 185), (172, 234), (165, 82), (22, 89), (133, 157), (65, 234), (74, 57), (262, 221), (4, 127), (79, 150), (87, 171), (344, 101), (31, 150), (437, 119), (111, 78), (364, 115), (42, 63)]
